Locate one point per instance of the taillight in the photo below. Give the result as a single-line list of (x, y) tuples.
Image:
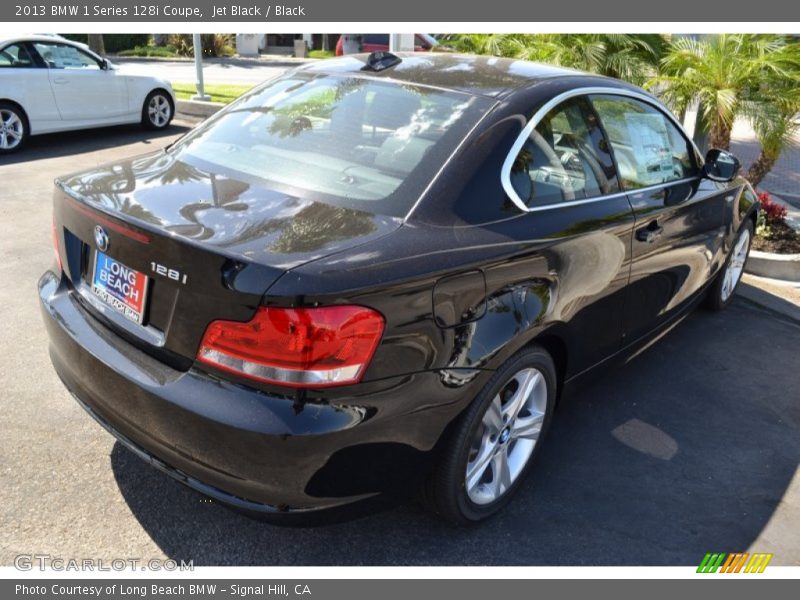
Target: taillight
[(296, 347), (55, 247)]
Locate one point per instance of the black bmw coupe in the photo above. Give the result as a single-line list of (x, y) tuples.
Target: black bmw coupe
[(380, 274)]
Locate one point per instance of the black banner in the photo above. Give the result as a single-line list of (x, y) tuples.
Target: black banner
[(363, 11), (343, 589)]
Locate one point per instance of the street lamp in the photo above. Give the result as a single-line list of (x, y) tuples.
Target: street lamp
[(198, 67)]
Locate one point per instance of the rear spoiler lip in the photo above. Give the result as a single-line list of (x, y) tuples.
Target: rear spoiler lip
[(100, 217)]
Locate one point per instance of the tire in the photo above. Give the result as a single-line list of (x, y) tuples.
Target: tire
[(721, 292), (14, 128), (463, 499), (157, 110)]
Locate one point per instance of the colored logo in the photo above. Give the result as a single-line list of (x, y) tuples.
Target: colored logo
[(735, 562)]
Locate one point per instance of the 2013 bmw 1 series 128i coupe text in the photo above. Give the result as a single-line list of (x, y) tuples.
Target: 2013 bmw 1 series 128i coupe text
[(380, 272)]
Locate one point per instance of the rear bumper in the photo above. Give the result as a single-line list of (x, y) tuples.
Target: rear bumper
[(259, 452)]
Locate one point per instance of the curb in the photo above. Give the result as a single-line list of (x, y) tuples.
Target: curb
[(774, 266), (752, 293), (197, 108)]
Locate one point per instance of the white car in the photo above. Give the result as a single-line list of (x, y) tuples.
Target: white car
[(51, 84)]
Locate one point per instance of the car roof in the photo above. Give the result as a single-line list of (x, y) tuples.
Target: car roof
[(40, 37), (478, 75)]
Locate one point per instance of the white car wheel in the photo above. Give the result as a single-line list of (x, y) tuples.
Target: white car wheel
[(13, 128), (158, 110)]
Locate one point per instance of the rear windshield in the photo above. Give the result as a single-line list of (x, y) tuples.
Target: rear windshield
[(349, 141)]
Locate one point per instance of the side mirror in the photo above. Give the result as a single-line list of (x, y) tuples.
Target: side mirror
[(104, 64), (721, 165)]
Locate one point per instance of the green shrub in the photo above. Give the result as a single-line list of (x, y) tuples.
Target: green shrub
[(114, 42), (214, 44)]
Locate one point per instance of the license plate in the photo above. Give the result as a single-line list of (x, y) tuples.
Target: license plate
[(121, 287)]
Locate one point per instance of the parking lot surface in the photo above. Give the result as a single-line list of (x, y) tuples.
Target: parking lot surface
[(692, 447)]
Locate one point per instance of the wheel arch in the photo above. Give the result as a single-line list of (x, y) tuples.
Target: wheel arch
[(557, 348), (21, 108), (554, 338)]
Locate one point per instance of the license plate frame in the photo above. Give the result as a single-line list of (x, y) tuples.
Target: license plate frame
[(120, 287)]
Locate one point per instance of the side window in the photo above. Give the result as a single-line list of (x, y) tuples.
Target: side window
[(648, 147), (15, 56), (565, 158), (62, 56)]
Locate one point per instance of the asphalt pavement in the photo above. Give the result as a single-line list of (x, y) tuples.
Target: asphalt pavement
[(692, 447)]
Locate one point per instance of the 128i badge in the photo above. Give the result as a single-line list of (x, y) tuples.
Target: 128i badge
[(168, 272)]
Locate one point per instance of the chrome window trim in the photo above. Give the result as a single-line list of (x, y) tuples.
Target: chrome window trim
[(505, 172)]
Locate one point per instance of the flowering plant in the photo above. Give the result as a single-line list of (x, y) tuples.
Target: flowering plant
[(770, 215)]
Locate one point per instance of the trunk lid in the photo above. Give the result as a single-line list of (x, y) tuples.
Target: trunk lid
[(208, 245)]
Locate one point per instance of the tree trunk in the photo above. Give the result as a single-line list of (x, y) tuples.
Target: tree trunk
[(700, 130), (720, 136), (96, 44), (760, 168)]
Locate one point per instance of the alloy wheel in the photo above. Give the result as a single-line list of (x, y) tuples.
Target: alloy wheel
[(505, 438), (159, 110), (733, 272), (12, 129)]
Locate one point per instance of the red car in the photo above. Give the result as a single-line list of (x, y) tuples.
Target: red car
[(375, 42)]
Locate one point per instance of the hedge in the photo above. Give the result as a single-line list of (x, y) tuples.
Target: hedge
[(114, 42)]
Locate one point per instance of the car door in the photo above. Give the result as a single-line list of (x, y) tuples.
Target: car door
[(679, 230), (84, 90), (26, 82), (565, 178), (375, 42)]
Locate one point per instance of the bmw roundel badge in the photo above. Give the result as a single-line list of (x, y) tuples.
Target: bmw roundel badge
[(100, 238)]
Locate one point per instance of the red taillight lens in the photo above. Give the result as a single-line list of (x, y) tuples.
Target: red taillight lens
[(55, 247), (297, 347)]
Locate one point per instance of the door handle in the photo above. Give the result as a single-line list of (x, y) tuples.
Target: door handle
[(60, 80), (650, 233)]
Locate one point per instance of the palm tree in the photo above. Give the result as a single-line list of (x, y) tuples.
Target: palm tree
[(775, 130), (495, 44), (729, 75), (624, 56)]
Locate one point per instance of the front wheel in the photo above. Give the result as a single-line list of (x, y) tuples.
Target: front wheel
[(495, 441), (13, 128), (721, 291), (157, 111)]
